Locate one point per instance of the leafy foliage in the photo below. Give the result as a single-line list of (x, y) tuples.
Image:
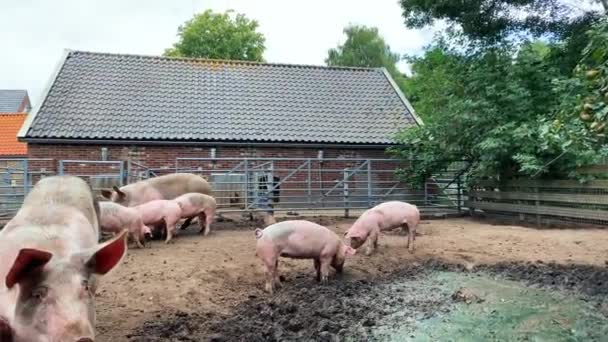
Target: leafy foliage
[(509, 107), (496, 19), (364, 47), (219, 36), (504, 110)]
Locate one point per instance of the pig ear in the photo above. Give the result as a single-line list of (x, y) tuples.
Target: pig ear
[(108, 255), (106, 193), (120, 193), (27, 261)]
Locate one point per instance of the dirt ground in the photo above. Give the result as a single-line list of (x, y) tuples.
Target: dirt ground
[(203, 281)]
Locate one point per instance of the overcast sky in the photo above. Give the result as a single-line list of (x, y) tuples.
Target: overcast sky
[(33, 33)]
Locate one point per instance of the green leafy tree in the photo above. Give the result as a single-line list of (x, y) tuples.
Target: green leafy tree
[(585, 95), (499, 111), (219, 36), (496, 19), (510, 107), (364, 47)]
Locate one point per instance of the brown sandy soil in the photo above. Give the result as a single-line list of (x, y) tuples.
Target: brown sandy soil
[(217, 272)]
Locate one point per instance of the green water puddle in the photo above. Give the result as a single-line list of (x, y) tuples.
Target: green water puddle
[(510, 312)]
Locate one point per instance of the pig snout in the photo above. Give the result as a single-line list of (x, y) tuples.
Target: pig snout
[(354, 242), (78, 332), (6, 332)]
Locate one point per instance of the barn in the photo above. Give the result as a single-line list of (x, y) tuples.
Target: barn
[(136, 116)]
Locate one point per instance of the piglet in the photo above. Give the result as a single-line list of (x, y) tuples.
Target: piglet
[(300, 239), (167, 212), (114, 218), (198, 205), (384, 216)]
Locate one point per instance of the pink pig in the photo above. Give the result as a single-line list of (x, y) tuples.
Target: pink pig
[(114, 218), (300, 239), (51, 262), (168, 212), (199, 205), (384, 216)]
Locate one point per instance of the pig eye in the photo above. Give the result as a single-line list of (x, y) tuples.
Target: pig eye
[(40, 292), (85, 284)]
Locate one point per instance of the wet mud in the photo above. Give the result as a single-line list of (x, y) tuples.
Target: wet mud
[(353, 309)]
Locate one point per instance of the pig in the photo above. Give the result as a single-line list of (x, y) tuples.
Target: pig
[(51, 264), (167, 212), (114, 218), (384, 216), (299, 239), (199, 205), (163, 187)]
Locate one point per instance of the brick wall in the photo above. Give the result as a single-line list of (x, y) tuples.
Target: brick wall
[(163, 157)]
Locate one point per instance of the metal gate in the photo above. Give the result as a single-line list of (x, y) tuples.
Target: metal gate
[(338, 185)]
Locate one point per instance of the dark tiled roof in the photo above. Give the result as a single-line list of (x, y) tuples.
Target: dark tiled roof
[(12, 101), (130, 97)]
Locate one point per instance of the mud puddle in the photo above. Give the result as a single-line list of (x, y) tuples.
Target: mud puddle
[(414, 303)]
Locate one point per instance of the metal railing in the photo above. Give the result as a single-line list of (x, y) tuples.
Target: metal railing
[(247, 185), (17, 176)]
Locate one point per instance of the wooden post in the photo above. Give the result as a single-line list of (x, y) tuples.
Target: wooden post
[(537, 204)]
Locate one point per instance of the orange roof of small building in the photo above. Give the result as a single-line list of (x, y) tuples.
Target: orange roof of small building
[(10, 124)]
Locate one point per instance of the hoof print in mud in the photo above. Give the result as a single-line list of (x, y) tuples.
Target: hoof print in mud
[(466, 296)]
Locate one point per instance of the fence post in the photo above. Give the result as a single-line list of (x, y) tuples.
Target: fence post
[(369, 183), (25, 177), (345, 186), (309, 183), (458, 189), (123, 175), (246, 168), (61, 167), (537, 204)]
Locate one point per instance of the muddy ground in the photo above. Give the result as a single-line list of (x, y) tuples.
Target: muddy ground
[(211, 288)]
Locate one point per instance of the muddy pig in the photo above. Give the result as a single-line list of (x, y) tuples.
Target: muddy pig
[(167, 212), (384, 216), (51, 261), (300, 239), (114, 218), (198, 205)]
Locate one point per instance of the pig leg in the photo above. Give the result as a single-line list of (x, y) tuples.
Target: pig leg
[(372, 245), (325, 263), (201, 222), (271, 264), (277, 278), (186, 223), (209, 216), (318, 269), (137, 241), (171, 226), (411, 236), (135, 233)]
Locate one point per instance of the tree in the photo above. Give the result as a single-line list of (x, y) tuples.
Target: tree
[(499, 110), (585, 94), (509, 107), (219, 36), (364, 47), (496, 19)]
